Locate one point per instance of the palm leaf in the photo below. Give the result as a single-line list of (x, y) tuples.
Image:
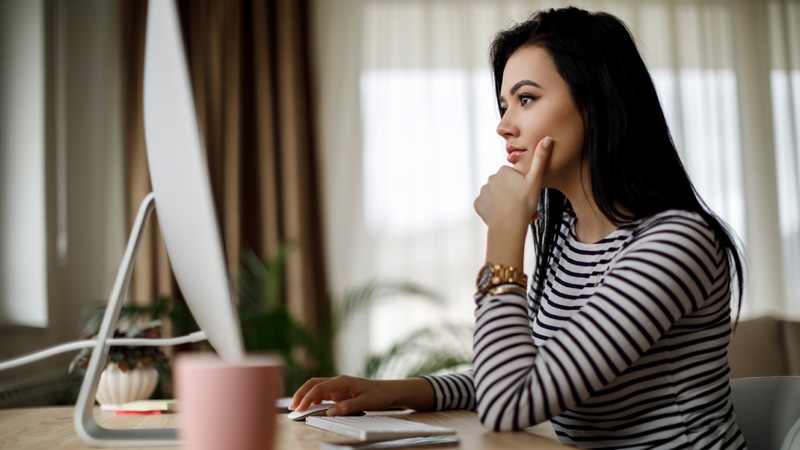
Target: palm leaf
[(424, 351), (360, 298)]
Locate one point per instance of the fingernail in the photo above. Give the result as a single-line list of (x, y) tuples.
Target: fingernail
[(333, 412), (548, 143)]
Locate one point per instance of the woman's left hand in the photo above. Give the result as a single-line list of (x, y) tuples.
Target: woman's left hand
[(512, 198)]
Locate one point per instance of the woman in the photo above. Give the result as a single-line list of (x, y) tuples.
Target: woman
[(621, 340)]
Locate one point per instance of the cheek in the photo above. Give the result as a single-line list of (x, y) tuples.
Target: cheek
[(563, 168), (565, 158), (569, 143)]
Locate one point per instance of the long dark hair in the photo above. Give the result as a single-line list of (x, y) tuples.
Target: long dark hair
[(634, 168)]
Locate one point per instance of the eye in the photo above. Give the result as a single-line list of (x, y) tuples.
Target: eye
[(526, 99)]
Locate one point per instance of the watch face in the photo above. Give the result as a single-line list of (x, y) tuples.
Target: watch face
[(484, 277)]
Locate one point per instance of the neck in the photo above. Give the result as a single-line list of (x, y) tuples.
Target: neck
[(591, 225)]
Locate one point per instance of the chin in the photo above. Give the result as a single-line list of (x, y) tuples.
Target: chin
[(522, 168)]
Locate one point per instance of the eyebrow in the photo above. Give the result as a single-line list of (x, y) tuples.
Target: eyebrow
[(519, 84)]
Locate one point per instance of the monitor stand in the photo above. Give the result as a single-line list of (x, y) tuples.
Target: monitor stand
[(85, 424)]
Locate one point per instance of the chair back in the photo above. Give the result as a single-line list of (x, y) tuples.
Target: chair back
[(768, 411)]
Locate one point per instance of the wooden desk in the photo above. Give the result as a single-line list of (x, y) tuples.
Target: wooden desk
[(51, 429)]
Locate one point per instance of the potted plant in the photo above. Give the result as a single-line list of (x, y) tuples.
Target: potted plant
[(267, 326), (131, 373)]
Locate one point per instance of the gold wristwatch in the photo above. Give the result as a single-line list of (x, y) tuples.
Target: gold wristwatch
[(492, 275)]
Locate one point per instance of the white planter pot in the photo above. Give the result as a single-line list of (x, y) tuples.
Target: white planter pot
[(118, 387)]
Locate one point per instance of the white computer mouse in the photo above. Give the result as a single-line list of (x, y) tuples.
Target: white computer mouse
[(313, 410)]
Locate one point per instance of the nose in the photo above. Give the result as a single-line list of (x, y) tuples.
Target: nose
[(506, 127)]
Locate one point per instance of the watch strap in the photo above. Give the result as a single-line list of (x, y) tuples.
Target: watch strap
[(492, 275)]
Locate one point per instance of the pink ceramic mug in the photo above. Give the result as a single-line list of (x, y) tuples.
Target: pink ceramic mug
[(226, 405)]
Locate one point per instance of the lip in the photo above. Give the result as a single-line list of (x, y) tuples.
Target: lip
[(514, 153)]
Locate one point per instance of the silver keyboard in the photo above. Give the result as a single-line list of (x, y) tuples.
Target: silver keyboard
[(371, 428)]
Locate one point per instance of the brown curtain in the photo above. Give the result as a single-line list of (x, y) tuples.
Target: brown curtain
[(249, 68)]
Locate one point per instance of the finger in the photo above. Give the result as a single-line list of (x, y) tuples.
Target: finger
[(540, 157), (346, 407), (316, 395), (303, 391), (362, 402), (336, 389)]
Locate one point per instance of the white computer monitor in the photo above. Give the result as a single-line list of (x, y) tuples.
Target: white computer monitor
[(180, 181), (183, 200)]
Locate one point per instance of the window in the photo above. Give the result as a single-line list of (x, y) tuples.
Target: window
[(785, 87), (23, 275), (429, 145)]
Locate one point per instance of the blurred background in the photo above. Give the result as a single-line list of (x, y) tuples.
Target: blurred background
[(346, 141)]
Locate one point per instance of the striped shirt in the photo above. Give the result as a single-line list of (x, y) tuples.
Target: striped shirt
[(628, 348)]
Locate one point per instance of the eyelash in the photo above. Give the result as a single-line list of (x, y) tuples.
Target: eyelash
[(530, 97), (522, 98)]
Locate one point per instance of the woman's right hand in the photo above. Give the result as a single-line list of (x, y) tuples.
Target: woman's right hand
[(512, 197), (353, 394)]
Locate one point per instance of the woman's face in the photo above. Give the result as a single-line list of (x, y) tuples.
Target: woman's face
[(537, 103)]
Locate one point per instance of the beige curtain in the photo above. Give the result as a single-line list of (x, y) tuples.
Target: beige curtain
[(151, 274), (249, 68)]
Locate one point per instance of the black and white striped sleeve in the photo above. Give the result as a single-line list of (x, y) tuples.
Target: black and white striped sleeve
[(453, 391), (668, 270)]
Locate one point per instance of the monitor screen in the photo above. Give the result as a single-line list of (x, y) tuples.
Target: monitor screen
[(181, 184)]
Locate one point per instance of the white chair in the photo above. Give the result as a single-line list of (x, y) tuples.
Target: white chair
[(768, 411)]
